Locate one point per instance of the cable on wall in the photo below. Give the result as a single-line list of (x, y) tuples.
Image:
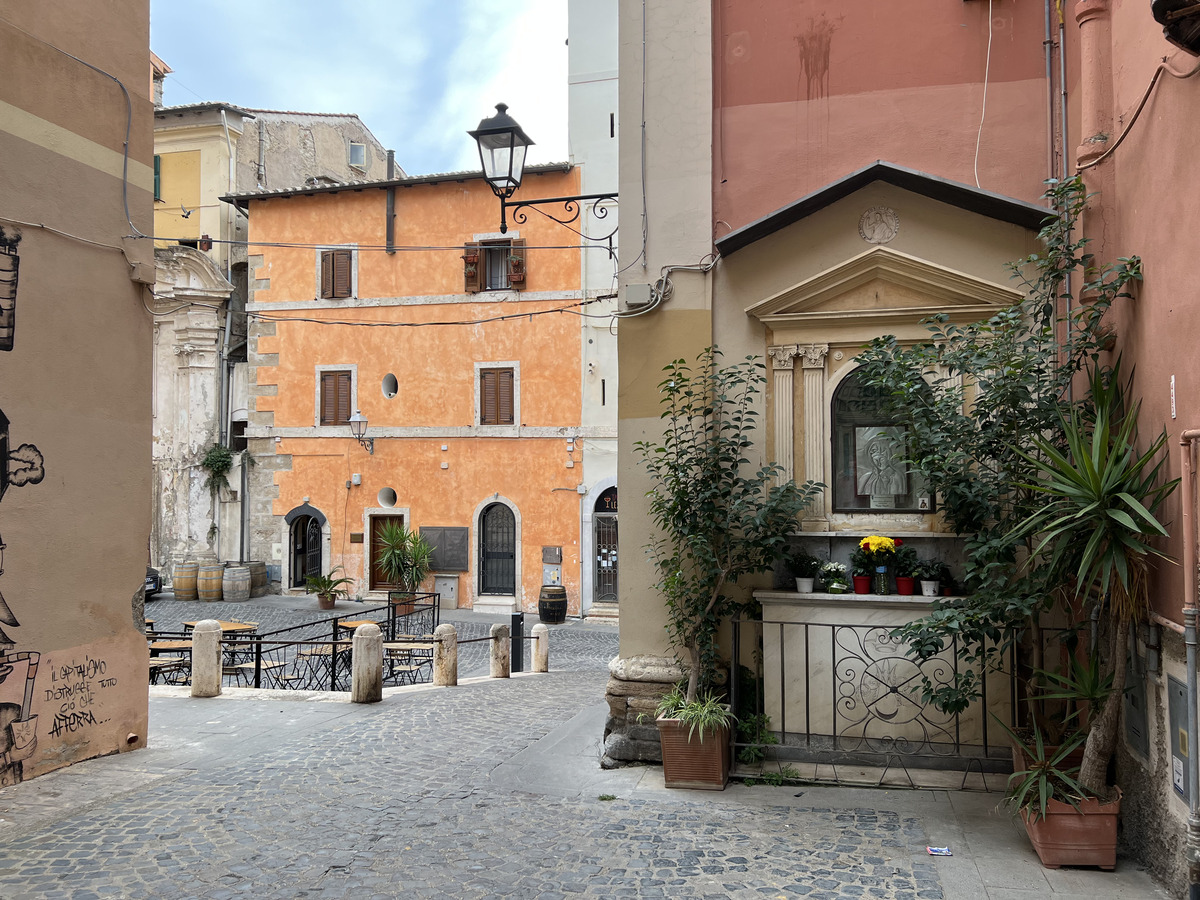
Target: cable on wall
[(987, 67)]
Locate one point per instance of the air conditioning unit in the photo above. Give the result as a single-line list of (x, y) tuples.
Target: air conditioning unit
[(1180, 20)]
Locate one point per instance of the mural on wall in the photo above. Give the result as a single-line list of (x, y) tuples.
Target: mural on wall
[(9, 261), (18, 671)]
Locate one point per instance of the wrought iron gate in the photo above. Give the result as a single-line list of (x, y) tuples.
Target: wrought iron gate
[(498, 551), (312, 548), (606, 557)]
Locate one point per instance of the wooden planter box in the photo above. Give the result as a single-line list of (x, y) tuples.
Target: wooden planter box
[(691, 762), (1076, 837)]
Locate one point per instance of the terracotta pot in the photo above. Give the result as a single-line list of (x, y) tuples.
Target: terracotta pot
[(689, 762), (325, 601), (862, 584), (1076, 837), (906, 585)]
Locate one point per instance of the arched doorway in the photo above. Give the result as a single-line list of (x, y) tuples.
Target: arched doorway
[(306, 531), (497, 550), (604, 524)]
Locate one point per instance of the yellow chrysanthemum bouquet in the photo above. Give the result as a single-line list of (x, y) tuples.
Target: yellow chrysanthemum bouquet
[(874, 554)]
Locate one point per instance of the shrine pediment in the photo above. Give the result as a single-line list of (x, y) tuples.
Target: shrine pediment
[(882, 284)]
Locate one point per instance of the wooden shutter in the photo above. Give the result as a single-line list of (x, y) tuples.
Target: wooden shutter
[(488, 398), (342, 260), (335, 398), (517, 270), (326, 274), (472, 269), (504, 390)]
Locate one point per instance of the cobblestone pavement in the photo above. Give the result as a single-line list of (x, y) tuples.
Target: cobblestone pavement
[(490, 789)]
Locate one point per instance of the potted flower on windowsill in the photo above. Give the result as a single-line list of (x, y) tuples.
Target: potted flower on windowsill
[(904, 565), (803, 567), (717, 519), (834, 578)]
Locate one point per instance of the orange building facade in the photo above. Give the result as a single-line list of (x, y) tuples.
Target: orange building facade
[(461, 348)]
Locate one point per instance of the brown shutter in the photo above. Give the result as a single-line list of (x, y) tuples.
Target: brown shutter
[(488, 397), (472, 269), (516, 267), (328, 398), (326, 274), (343, 398), (505, 400), (341, 273)]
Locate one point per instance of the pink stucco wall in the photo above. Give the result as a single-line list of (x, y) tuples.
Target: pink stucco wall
[(806, 91)]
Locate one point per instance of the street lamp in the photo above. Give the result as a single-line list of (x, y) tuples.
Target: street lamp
[(358, 430), (502, 143)]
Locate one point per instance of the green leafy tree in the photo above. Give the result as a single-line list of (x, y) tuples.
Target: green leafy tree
[(981, 401), (719, 518)]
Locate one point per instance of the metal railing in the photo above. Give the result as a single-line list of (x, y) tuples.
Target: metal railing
[(850, 695)]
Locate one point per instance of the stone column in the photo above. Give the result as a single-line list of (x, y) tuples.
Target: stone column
[(784, 406), (501, 651), (206, 659), (541, 648), (445, 656), (816, 440), (366, 665)]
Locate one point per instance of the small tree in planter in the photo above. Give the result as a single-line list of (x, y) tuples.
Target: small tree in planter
[(718, 518), (403, 557), (328, 588)]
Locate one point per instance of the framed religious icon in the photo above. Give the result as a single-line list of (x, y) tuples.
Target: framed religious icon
[(878, 461)]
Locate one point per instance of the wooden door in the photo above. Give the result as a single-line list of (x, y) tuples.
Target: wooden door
[(378, 583)]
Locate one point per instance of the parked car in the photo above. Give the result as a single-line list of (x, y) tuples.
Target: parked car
[(153, 582)]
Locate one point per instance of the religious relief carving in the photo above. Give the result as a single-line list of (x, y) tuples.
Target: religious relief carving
[(813, 355), (879, 225)]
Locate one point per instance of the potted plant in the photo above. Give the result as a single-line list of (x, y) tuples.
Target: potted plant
[(1094, 533), (803, 566), (516, 267), (834, 578), (683, 729), (878, 552), (1065, 823), (717, 519), (861, 570), (932, 573), (403, 558), (904, 563), (328, 588)]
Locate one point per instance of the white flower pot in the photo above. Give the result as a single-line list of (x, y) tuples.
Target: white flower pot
[(805, 585), (930, 588)]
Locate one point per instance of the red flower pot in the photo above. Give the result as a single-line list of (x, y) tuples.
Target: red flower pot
[(862, 584), (906, 585)]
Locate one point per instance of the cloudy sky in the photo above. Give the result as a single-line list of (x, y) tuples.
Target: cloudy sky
[(419, 73)]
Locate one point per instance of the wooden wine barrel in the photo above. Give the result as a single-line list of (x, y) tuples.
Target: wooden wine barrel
[(258, 579), (552, 604), (235, 584), (208, 583), (184, 580)]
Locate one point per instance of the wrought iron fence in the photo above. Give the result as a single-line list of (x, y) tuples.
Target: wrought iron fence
[(850, 695), (316, 656)]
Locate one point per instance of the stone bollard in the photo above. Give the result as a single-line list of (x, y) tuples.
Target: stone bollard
[(445, 656), (366, 665), (541, 648), (206, 659), (501, 651)]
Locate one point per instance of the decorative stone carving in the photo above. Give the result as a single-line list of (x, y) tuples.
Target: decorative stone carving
[(781, 356), (813, 355), (879, 225)]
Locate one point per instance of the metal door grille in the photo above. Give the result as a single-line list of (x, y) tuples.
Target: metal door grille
[(497, 551), (312, 548), (606, 558)]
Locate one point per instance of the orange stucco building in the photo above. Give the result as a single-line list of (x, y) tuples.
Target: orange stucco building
[(460, 347)]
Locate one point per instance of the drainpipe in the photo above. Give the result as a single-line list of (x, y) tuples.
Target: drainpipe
[(1048, 46), (390, 224), (1190, 614)]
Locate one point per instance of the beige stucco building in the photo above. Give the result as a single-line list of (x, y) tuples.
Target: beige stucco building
[(75, 276)]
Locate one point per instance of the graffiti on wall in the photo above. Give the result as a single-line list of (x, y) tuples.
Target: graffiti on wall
[(18, 726)]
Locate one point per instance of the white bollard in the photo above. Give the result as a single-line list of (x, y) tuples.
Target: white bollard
[(206, 659), (541, 648), (445, 656), (366, 665), (501, 651)]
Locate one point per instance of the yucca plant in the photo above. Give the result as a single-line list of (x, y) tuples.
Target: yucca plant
[(1097, 529)]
